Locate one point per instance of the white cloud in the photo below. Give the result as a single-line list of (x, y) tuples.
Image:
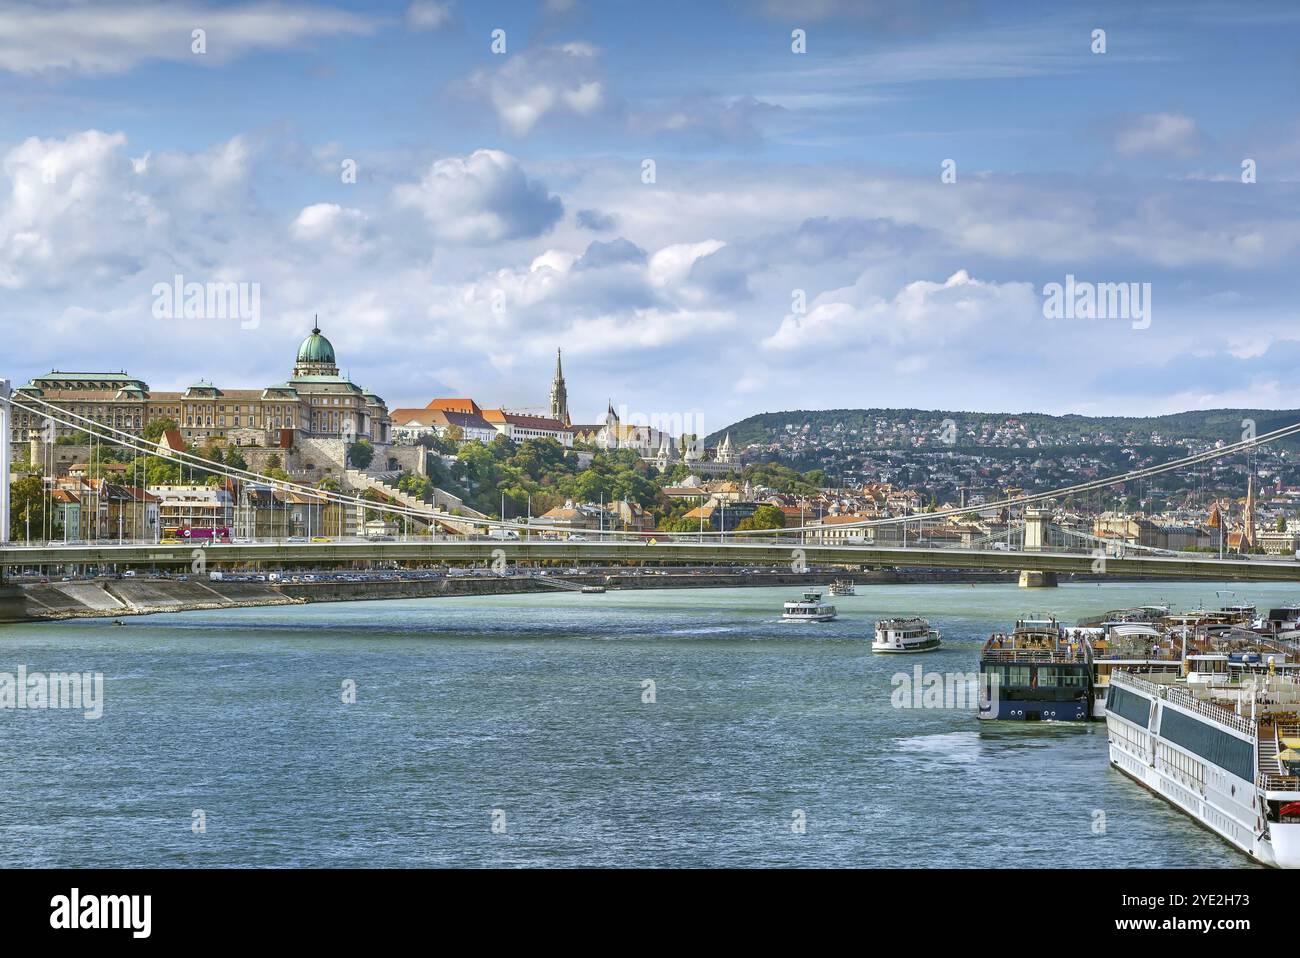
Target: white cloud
[(694, 273), (923, 314), (71, 207), (428, 15), (114, 38), (483, 198), (1158, 133), (342, 229), (672, 264), (547, 80)]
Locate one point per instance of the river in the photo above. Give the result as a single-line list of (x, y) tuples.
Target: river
[(517, 731)]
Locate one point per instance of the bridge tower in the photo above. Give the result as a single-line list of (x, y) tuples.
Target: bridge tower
[(1036, 520), (6, 434)]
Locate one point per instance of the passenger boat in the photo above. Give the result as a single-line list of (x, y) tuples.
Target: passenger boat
[(810, 608), (1283, 622), (1243, 613), (1220, 743), (905, 635), (843, 587), (1132, 645), (1037, 673), (593, 589)]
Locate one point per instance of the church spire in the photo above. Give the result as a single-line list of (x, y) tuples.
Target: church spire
[(559, 393)]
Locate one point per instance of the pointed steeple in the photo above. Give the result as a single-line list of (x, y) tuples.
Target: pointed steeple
[(559, 393)]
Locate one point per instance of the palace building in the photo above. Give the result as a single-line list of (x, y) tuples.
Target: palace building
[(315, 401)]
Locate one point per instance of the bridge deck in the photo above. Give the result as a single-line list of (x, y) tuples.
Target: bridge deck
[(763, 552)]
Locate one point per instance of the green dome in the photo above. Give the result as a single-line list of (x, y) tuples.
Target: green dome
[(316, 349)]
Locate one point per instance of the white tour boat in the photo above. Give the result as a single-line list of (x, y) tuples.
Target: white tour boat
[(1221, 743), (810, 608), (905, 635), (843, 587)]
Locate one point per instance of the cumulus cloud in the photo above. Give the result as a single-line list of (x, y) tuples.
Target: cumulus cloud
[(923, 313), (90, 221), (672, 264), (483, 198), (114, 37), (547, 80), (72, 206), (341, 229), (595, 220), (599, 255)]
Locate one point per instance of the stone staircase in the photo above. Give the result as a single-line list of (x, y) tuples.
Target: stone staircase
[(443, 501)]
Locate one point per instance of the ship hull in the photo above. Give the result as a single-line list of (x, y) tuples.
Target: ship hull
[(1029, 710), (1282, 853), (929, 645), (1215, 798)]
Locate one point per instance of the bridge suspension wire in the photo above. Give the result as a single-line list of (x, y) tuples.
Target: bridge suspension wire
[(1082, 487), (126, 439), (120, 438)]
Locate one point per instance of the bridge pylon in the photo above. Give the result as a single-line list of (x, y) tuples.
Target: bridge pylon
[(6, 434), (1037, 519)]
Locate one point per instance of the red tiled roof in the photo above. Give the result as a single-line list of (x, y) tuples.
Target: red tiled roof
[(456, 405)]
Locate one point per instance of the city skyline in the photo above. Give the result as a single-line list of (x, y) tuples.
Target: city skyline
[(454, 214)]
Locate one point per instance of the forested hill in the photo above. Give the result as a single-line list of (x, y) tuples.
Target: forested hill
[(889, 426)]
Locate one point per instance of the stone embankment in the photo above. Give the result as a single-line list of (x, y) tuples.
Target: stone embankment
[(115, 598)]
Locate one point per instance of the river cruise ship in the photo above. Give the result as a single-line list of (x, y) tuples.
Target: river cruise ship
[(843, 587), (1132, 645), (1221, 743), (810, 608), (1038, 672), (905, 635)]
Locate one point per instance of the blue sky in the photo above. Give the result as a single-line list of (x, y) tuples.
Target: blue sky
[(499, 208)]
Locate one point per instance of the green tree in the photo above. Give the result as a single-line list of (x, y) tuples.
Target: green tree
[(682, 524), (154, 429), (764, 517), (26, 507), (1281, 523), (360, 454)]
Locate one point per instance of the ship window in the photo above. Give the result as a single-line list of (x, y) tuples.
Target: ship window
[(1017, 675), (1129, 705), (1212, 744)]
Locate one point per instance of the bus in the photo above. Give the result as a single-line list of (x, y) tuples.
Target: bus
[(179, 534)]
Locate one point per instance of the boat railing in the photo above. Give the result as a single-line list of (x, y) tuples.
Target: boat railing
[(1210, 710), (1033, 655), (1278, 783), (1120, 677)]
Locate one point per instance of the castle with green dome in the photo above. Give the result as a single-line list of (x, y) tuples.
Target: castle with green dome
[(314, 402)]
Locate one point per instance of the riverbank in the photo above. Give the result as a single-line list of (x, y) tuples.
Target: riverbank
[(115, 598)]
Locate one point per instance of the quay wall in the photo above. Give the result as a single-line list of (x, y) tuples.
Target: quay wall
[(115, 598)]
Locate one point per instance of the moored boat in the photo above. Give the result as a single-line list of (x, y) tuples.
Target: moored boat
[(843, 587), (1220, 743), (1037, 673)]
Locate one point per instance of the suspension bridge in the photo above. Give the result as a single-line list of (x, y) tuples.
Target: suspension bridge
[(1032, 543)]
